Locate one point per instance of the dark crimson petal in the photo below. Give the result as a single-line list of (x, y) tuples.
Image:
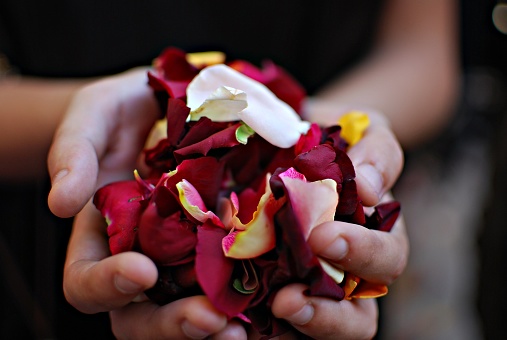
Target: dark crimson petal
[(165, 201), (208, 186), (222, 139), (248, 202), (283, 158), (283, 85), (243, 161), (268, 159), (357, 217), (120, 204), (166, 240), (160, 157), (348, 198), (384, 216), (276, 183), (331, 136), (346, 166), (172, 64), (308, 141), (297, 262), (214, 271), (174, 88), (266, 324), (169, 286), (201, 130), (318, 164), (177, 114)]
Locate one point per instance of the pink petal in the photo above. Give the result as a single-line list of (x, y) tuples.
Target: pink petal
[(313, 203)]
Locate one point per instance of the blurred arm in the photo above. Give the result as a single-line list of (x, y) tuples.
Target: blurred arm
[(30, 111), (411, 75)]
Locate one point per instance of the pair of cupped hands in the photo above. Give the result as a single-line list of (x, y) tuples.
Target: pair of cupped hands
[(99, 141)]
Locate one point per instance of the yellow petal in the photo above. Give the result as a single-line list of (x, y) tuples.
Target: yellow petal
[(201, 59), (353, 124)]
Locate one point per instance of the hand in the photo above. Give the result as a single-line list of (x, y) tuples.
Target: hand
[(96, 282), (105, 129), (106, 125), (374, 256)]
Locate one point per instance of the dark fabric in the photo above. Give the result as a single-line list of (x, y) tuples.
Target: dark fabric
[(484, 58), (313, 40), (60, 38)]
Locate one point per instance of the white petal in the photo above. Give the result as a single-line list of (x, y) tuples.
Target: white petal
[(223, 105), (271, 118)]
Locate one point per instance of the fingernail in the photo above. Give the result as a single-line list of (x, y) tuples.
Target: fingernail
[(303, 316), (126, 286), (59, 175), (336, 250), (372, 176), (192, 331)]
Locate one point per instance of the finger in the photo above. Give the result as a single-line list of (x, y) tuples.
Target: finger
[(107, 122), (94, 282), (378, 161), (189, 318), (373, 255), (322, 318), (233, 331)]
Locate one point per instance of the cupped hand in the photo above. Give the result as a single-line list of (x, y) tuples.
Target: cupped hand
[(374, 256), (96, 282), (105, 127), (99, 141)]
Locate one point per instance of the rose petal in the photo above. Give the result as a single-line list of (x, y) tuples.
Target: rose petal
[(353, 125), (223, 105), (267, 115), (258, 235), (313, 203), (120, 204), (214, 272), (167, 240), (194, 205)]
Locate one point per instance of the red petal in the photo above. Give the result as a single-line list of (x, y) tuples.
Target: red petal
[(310, 140), (166, 240), (384, 217), (319, 163), (120, 204), (214, 272), (222, 139)]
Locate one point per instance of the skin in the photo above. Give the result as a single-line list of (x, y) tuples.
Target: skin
[(96, 132)]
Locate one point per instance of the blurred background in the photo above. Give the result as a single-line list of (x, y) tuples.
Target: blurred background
[(453, 195)]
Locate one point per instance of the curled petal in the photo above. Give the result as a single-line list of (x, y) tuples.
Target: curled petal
[(313, 203), (223, 105), (271, 118), (335, 273), (257, 236), (356, 288), (194, 205)]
